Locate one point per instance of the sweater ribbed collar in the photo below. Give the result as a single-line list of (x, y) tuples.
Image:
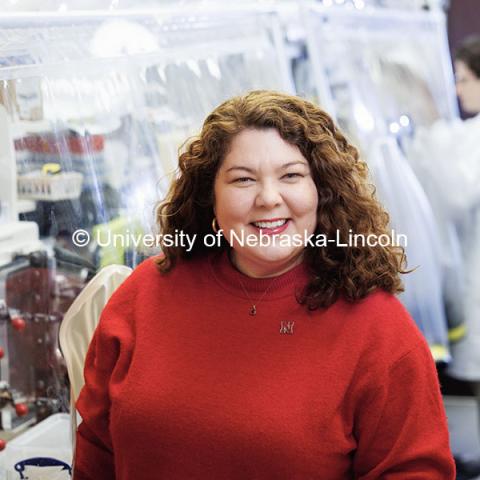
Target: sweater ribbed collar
[(231, 280)]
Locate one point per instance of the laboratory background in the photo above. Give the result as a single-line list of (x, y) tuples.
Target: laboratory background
[(97, 97)]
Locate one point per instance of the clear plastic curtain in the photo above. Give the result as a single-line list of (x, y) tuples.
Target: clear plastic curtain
[(394, 77), (395, 73), (446, 158), (113, 100), (411, 215), (95, 108)]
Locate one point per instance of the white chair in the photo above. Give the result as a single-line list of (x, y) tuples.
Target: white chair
[(78, 326)]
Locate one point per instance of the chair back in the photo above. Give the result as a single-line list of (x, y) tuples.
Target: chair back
[(79, 323)]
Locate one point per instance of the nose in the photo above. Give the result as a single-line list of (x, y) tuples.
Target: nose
[(268, 195)]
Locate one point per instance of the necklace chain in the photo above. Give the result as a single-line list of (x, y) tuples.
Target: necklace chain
[(253, 309)]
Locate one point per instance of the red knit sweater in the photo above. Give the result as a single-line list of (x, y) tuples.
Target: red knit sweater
[(182, 383)]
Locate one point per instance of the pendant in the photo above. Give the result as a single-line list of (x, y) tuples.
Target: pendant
[(253, 311), (286, 327)]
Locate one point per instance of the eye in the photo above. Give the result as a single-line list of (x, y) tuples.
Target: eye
[(243, 180), (292, 176)]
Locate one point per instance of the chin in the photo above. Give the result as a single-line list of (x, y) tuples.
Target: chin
[(274, 257)]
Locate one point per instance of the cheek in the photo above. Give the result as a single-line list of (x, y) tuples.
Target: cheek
[(231, 206), (305, 200), (476, 90), (467, 89), (473, 89)]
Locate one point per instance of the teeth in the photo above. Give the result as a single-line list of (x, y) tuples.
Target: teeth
[(275, 224)]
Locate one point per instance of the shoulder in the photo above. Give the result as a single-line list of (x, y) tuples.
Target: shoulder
[(147, 289), (147, 280), (381, 326), (382, 343), (378, 306)]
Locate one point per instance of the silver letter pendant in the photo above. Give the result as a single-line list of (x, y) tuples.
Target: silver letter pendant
[(286, 327)]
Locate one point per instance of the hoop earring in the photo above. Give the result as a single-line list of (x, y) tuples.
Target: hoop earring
[(215, 225)]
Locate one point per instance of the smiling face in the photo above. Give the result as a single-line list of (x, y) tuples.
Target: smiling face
[(264, 184), (468, 87)]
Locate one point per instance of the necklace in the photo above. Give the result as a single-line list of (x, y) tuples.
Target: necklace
[(253, 309)]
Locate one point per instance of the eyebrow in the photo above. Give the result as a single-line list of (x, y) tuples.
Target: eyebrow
[(284, 166)]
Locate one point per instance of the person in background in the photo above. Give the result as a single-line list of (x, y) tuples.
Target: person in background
[(467, 75), (446, 157), (465, 147), (287, 359), (464, 200)]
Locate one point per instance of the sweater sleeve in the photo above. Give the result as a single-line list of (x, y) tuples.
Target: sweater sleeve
[(401, 426), (106, 365)]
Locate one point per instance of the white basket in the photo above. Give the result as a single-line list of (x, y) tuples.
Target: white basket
[(40, 186)]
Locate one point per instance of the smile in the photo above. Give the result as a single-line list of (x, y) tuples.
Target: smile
[(270, 224), (273, 226)]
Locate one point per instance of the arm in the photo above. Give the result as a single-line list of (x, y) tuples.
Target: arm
[(106, 363), (401, 425)]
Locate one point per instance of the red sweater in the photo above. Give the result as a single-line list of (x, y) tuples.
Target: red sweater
[(182, 383)]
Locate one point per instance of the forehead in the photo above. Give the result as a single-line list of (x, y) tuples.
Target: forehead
[(255, 145)]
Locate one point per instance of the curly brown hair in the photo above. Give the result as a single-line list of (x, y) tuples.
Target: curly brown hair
[(346, 201)]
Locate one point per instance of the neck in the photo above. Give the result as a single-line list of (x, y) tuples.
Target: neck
[(256, 270)]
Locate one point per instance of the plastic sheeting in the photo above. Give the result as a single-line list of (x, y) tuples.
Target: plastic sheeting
[(114, 99), (69, 5), (395, 77), (395, 73), (446, 158), (96, 106), (411, 215)]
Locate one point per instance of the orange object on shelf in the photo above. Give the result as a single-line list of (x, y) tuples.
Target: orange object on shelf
[(18, 323), (21, 409)]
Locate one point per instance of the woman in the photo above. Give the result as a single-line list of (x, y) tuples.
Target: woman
[(274, 360)]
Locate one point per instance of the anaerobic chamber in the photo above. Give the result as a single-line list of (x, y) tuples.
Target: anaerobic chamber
[(93, 109), (383, 74)]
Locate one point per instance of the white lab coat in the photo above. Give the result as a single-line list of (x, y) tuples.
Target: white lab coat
[(446, 158)]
